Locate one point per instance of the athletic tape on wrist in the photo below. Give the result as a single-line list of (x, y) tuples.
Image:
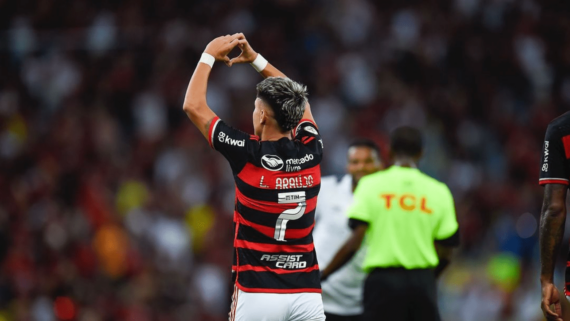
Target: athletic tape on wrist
[(208, 59), (259, 63)]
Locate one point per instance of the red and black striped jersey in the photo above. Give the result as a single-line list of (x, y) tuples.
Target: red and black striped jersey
[(277, 183), (555, 164), (555, 167)]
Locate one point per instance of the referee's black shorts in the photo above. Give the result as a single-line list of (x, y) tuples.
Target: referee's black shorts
[(334, 317), (400, 294)]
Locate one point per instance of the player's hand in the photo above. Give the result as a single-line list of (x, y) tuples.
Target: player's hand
[(220, 47), (551, 297), (247, 54)]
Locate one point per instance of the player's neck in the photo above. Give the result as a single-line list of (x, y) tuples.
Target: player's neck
[(405, 162), (272, 134)]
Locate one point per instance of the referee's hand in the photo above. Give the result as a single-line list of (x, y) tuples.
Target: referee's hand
[(550, 304)]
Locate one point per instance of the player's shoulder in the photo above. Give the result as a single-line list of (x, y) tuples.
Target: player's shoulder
[(307, 126), (559, 125)]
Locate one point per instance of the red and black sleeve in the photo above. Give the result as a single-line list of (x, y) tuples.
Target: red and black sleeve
[(232, 143), (555, 159), (308, 134)]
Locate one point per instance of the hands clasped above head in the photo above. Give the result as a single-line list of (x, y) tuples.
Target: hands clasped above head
[(220, 47)]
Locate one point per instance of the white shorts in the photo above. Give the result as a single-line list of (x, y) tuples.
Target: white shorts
[(248, 306)]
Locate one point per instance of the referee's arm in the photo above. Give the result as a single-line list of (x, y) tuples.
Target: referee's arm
[(447, 232), (347, 251)]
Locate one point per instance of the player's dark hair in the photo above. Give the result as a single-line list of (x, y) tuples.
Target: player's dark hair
[(406, 141), (286, 98), (365, 142)]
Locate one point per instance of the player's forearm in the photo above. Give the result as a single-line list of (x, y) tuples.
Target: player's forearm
[(195, 98), (195, 104), (271, 71), (551, 232)]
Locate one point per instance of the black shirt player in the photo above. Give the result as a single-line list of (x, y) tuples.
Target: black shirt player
[(554, 176), (277, 177)]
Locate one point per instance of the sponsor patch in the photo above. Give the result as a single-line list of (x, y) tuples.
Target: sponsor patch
[(545, 162), (226, 139), (311, 130), (291, 197), (271, 162), (299, 161), (285, 261)]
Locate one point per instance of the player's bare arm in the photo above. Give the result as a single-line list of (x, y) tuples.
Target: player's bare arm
[(347, 251), (553, 218), (195, 104), (248, 55)]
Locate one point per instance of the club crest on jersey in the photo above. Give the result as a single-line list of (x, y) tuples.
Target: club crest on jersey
[(310, 130), (271, 162)]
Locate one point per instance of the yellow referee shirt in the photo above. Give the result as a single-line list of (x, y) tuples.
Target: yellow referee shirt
[(406, 211)]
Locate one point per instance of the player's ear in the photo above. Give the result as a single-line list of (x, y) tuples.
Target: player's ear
[(262, 116)]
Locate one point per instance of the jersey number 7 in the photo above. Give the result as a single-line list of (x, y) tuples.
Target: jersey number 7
[(289, 214)]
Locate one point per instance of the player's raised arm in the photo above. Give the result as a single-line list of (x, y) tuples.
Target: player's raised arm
[(552, 223), (263, 67), (195, 104)]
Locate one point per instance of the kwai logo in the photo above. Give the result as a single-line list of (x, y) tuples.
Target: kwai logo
[(223, 138), (271, 162), (545, 162)]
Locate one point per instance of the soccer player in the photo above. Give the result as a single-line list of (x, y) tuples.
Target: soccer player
[(554, 175), (402, 212), (342, 292), (277, 177)]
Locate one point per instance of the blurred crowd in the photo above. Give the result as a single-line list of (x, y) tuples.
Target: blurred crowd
[(113, 207)]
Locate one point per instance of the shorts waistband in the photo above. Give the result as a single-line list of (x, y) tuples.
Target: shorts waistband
[(398, 269)]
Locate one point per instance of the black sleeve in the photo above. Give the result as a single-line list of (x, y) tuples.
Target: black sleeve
[(452, 241), (234, 144), (308, 134), (555, 155), (354, 223)]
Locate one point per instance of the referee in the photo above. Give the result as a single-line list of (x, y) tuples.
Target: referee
[(410, 226)]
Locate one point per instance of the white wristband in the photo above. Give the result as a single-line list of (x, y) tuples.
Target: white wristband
[(259, 63), (208, 59)]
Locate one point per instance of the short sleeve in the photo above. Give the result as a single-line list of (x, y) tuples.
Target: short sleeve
[(308, 134), (555, 155), (232, 143), (360, 208), (447, 223)]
